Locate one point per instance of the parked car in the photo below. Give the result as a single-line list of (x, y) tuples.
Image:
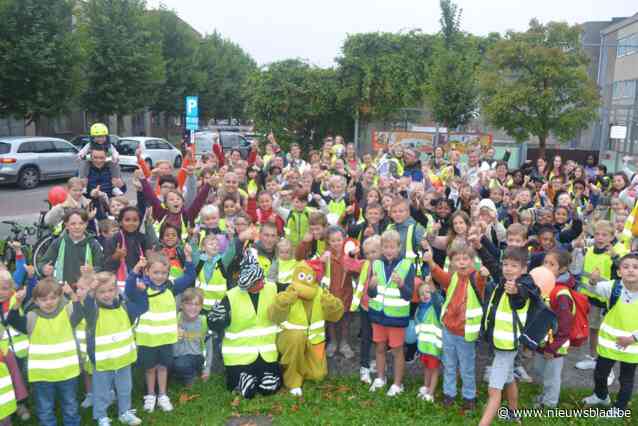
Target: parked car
[(153, 150), (229, 140), (81, 140), (29, 160)]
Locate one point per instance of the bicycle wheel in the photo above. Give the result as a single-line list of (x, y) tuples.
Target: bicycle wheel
[(40, 249)]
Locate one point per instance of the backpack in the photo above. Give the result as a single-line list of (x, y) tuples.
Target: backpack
[(579, 334), (616, 290), (542, 322)]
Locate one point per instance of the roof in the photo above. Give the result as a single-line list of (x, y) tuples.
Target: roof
[(142, 138), (29, 139), (620, 24)]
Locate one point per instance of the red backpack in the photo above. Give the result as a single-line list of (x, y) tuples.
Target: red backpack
[(579, 334)]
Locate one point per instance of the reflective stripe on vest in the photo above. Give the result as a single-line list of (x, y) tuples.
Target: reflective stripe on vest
[(297, 225), (53, 353), (114, 342), (361, 283), (473, 309), (20, 342), (429, 334), (250, 334), (7, 395), (388, 299), (298, 319), (336, 209), (603, 263), (214, 289), (503, 335), (620, 321), (285, 269), (565, 346), (158, 326)]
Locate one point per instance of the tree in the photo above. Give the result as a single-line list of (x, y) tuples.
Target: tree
[(451, 89), (124, 68), (180, 45), (40, 56), (535, 83), (226, 68), (298, 102), (382, 72)]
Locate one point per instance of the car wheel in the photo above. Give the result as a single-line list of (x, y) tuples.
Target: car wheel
[(29, 178), (149, 163), (178, 162)]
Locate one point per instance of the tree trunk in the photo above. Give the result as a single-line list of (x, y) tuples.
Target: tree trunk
[(542, 141)]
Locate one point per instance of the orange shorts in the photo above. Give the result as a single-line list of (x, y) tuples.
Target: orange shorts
[(393, 336), (429, 361)]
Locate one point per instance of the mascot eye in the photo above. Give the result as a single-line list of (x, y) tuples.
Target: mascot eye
[(301, 276), (309, 278)]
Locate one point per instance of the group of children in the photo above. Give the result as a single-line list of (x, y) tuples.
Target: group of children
[(433, 257)]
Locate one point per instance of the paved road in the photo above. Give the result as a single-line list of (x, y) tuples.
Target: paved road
[(24, 205)]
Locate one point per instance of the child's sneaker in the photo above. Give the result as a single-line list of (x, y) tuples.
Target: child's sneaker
[(395, 390), (594, 400), (377, 384), (23, 412), (346, 350), (164, 403), (149, 403), (296, 392), (129, 418), (364, 375), (104, 421), (589, 363), (331, 349), (88, 401), (373, 367), (521, 375), (424, 395)]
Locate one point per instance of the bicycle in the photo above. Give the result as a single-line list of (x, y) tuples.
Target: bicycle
[(44, 237), (21, 234)]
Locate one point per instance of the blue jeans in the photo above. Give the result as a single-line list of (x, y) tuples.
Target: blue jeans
[(187, 368), (104, 382), (458, 353), (45, 395)]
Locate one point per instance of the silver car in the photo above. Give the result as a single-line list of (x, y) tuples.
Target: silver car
[(28, 160), (152, 151)]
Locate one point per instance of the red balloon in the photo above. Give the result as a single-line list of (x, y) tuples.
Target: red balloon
[(57, 195)]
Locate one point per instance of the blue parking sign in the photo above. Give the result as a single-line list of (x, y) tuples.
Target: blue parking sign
[(192, 112)]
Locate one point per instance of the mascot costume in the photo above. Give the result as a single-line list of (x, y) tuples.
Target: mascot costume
[(249, 346), (301, 311)]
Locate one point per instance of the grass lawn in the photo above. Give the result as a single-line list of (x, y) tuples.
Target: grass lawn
[(335, 401)]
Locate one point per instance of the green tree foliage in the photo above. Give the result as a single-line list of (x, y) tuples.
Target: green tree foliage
[(180, 44), (124, 68), (535, 83), (226, 68), (451, 89), (382, 72), (40, 56), (298, 102)]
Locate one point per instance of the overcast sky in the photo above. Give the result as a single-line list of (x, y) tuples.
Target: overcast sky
[(315, 30)]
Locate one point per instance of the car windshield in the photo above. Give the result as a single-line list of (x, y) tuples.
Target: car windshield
[(127, 146), (5, 148), (203, 143)]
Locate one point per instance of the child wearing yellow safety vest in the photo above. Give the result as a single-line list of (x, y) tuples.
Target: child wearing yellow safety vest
[(156, 330), (461, 319), (618, 334), (429, 337), (280, 271), (111, 346), (390, 292), (212, 270), (13, 347), (598, 264), (503, 323), (548, 362), (53, 362), (360, 302)]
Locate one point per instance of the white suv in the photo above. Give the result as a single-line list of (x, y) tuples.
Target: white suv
[(153, 150)]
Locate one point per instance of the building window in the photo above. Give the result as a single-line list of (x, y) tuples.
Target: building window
[(627, 45), (624, 89)]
